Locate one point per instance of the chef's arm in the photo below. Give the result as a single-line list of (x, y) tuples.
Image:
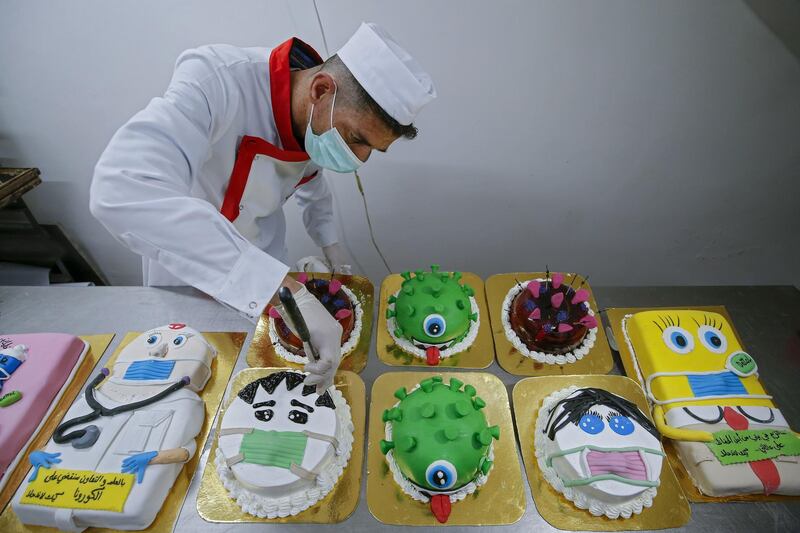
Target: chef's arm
[(142, 184)]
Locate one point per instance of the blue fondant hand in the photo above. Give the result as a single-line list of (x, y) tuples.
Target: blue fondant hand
[(137, 464), (40, 459)]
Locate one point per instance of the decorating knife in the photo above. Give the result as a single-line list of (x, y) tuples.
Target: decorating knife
[(290, 306)]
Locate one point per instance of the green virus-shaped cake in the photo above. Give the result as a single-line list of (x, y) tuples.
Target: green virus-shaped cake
[(433, 315), (438, 444)]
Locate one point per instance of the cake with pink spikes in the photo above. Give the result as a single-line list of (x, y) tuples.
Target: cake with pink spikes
[(341, 302), (550, 320)]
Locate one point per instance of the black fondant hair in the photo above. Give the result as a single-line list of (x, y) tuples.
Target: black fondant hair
[(577, 405), (293, 379)]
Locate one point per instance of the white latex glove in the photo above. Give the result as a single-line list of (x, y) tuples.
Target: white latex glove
[(337, 258), (326, 336)]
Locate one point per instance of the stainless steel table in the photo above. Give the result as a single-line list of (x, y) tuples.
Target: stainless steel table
[(767, 318)]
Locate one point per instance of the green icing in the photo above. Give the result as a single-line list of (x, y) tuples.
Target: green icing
[(425, 294), (439, 422)]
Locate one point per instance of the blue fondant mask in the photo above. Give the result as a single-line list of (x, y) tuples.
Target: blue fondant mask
[(149, 370), (721, 384)]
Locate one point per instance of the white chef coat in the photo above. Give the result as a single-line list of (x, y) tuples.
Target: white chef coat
[(219, 141)]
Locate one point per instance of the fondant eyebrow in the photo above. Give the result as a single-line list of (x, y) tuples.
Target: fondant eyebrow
[(268, 403), (295, 403)]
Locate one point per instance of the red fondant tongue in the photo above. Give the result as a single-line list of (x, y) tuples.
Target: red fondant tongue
[(433, 359), (440, 507)]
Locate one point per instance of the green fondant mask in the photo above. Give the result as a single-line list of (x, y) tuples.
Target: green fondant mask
[(274, 448)]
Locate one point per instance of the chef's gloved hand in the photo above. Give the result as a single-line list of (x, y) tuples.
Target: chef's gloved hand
[(337, 258), (326, 336)]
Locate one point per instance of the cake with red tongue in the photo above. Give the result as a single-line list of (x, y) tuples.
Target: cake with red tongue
[(550, 320), (598, 450), (438, 445), (340, 302)]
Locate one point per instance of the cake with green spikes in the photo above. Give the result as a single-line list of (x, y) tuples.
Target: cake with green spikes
[(438, 444), (433, 315)]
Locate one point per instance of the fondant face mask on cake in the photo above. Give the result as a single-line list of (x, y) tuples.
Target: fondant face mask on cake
[(149, 369), (329, 150), (624, 465), (273, 448)]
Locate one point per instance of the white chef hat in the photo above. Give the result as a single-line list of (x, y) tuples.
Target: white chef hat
[(387, 72)]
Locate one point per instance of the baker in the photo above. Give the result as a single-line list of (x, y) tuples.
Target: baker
[(196, 181)]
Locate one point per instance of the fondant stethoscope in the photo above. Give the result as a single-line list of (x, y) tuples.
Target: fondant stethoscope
[(86, 437)]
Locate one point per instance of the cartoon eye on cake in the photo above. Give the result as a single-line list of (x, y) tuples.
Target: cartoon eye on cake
[(179, 340), (338, 300), (282, 442), (153, 339), (433, 315), (599, 450), (438, 443), (700, 381), (549, 319)]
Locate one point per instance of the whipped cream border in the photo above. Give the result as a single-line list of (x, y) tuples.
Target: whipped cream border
[(409, 347), (347, 347), (544, 357), (298, 501), (574, 494)]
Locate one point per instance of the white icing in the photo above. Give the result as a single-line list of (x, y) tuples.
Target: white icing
[(347, 347), (544, 357), (625, 500), (282, 493), (412, 490), (409, 347)]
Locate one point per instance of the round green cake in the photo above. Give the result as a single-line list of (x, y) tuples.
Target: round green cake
[(439, 442), (432, 310)]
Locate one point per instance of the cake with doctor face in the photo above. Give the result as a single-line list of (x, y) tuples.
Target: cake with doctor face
[(433, 315), (35, 369), (341, 302), (282, 447), (598, 450), (438, 444), (115, 455), (549, 320), (705, 392)]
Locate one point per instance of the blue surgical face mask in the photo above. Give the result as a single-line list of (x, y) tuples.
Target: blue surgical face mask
[(328, 149), (149, 370)]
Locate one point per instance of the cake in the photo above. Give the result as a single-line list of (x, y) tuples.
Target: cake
[(433, 315), (341, 303), (35, 369), (598, 450), (282, 447), (705, 390), (549, 321), (438, 444), (114, 457)]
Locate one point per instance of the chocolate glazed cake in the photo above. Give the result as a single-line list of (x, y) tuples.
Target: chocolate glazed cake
[(551, 317)]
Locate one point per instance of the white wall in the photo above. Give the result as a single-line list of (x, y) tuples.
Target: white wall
[(637, 142)]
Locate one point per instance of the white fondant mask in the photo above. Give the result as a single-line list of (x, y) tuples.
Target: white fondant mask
[(608, 449), (165, 355), (292, 414)]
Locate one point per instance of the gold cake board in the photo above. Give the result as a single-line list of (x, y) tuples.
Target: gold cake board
[(669, 509), (262, 354), (598, 361), (615, 316), (479, 355), (228, 346), (214, 504), (500, 501), (98, 344)]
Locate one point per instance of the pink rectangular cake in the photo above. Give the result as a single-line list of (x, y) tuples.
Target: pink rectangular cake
[(35, 368)]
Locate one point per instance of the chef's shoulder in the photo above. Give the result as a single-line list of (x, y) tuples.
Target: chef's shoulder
[(218, 62)]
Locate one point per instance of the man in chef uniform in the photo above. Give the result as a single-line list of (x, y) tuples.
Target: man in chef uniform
[(196, 181)]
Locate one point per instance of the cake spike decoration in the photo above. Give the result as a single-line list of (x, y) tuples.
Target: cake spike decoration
[(558, 279), (273, 312), (302, 277), (581, 295), (341, 314), (564, 327), (588, 321), (533, 287), (536, 314), (557, 299), (334, 286)]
